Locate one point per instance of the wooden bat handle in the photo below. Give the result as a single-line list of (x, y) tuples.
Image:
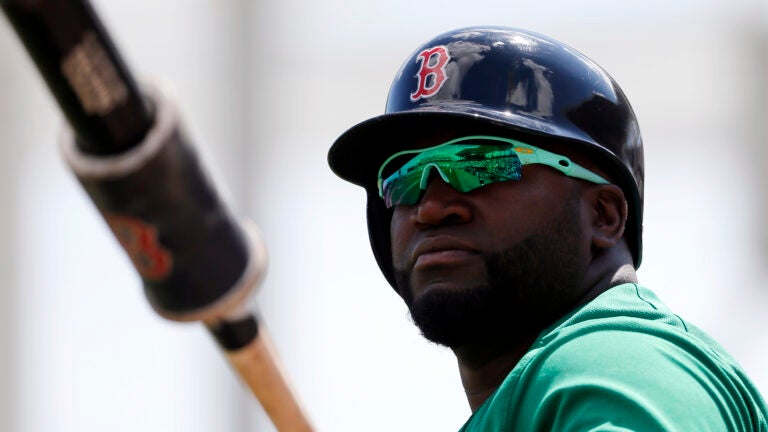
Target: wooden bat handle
[(259, 367)]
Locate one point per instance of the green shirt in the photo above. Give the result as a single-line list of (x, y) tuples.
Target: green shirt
[(623, 362)]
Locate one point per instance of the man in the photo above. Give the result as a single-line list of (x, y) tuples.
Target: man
[(505, 195)]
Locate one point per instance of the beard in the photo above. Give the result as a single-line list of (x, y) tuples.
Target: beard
[(529, 286)]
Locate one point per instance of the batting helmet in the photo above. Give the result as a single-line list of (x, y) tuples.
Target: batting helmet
[(503, 81)]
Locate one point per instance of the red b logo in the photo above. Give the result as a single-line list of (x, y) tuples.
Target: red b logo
[(139, 239), (431, 74)]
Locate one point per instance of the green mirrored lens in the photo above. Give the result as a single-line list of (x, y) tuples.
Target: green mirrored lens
[(402, 189), (464, 166)]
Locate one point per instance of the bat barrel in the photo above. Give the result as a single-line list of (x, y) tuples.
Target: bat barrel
[(195, 260), (84, 71)]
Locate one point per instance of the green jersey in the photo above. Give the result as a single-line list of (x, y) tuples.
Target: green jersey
[(623, 362)]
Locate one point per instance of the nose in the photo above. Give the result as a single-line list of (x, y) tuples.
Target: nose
[(441, 204)]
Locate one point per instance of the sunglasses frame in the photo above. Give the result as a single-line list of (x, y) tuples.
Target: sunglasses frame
[(526, 154)]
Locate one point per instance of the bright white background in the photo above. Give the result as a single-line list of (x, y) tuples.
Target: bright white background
[(265, 89)]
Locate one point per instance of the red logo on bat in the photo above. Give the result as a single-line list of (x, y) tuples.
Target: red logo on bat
[(431, 74), (139, 239)]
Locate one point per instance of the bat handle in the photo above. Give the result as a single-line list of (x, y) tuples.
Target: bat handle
[(251, 352), (258, 365)]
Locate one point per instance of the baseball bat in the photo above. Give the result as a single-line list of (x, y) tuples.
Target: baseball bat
[(128, 149)]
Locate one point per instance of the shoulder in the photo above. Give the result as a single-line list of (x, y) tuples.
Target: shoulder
[(624, 362), (635, 374)]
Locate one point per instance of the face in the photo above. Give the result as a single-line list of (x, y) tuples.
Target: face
[(501, 260)]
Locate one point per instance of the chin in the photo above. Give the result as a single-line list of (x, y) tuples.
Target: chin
[(458, 278), (453, 315)]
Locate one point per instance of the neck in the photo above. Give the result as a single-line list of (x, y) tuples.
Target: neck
[(611, 268), (483, 368)]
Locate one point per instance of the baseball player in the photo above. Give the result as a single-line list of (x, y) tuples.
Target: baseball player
[(505, 204)]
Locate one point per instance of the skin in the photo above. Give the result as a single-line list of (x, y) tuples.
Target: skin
[(443, 248)]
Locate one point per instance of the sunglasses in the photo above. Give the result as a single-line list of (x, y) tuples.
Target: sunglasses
[(468, 163)]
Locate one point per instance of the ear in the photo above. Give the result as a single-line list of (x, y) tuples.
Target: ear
[(608, 215)]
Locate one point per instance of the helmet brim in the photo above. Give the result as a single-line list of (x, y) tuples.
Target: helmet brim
[(357, 155)]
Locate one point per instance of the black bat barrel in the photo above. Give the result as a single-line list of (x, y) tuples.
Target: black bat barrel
[(194, 259), (84, 71), (137, 166)]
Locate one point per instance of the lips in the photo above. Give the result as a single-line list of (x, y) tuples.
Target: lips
[(442, 250)]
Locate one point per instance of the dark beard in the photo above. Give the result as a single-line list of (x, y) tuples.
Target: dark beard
[(530, 286)]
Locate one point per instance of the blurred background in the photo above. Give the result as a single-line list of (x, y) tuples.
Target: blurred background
[(264, 89)]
